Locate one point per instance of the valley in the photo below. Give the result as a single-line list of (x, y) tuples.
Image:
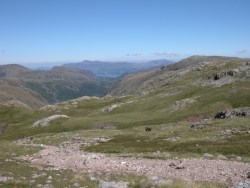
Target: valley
[(180, 125)]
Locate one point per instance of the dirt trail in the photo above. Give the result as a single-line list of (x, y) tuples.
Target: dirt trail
[(69, 157)]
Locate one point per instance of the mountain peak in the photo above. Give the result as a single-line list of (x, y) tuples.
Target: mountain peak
[(12, 70)]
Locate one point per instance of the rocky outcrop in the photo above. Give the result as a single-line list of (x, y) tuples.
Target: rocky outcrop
[(232, 73), (233, 112), (111, 107), (181, 104), (46, 121), (198, 126), (229, 132)]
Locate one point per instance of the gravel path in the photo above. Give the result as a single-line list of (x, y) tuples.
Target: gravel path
[(69, 157)]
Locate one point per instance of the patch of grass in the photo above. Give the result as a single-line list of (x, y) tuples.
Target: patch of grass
[(190, 143), (8, 149), (24, 175), (183, 184)]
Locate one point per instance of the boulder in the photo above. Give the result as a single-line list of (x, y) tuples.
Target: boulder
[(230, 132), (111, 107), (222, 157), (198, 126), (207, 155), (220, 115), (46, 121), (112, 184), (173, 139)]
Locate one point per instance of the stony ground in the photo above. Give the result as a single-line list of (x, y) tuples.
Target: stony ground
[(69, 156)]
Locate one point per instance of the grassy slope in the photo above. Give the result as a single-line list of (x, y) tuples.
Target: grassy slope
[(13, 90), (38, 88), (154, 110), (60, 84)]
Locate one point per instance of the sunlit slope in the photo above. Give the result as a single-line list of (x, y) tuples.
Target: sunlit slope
[(190, 93)]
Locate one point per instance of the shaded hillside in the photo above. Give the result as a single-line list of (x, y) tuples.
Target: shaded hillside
[(13, 93), (115, 69), (61, 83), (12, 70), (23, 86)]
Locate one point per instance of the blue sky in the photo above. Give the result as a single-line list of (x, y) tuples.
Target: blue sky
[(52, 31)]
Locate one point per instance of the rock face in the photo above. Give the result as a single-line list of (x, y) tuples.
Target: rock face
[(232, 113), (220, 75), (45, 121)]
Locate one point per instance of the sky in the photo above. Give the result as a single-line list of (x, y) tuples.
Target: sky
[(57, 31)]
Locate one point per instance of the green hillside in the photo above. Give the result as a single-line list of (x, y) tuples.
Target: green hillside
[(35, 89), (178, 105)]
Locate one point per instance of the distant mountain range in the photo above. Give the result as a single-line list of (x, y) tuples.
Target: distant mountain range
[(35, 88), (116, 69)]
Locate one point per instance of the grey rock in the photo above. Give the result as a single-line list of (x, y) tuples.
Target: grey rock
[(144, 93), (93, 178), (245, 184), (199, 69), (154, 178), (112, 184), (48, 181), (232, 113), (32, 181), (198, 126), (164, 182), (207, 155), (4, 179), (228, 132), (238, 158), (232, 73), (111, 108), (173, 139), (76, 184), (48, 186), (46, 121), (222, 157)]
